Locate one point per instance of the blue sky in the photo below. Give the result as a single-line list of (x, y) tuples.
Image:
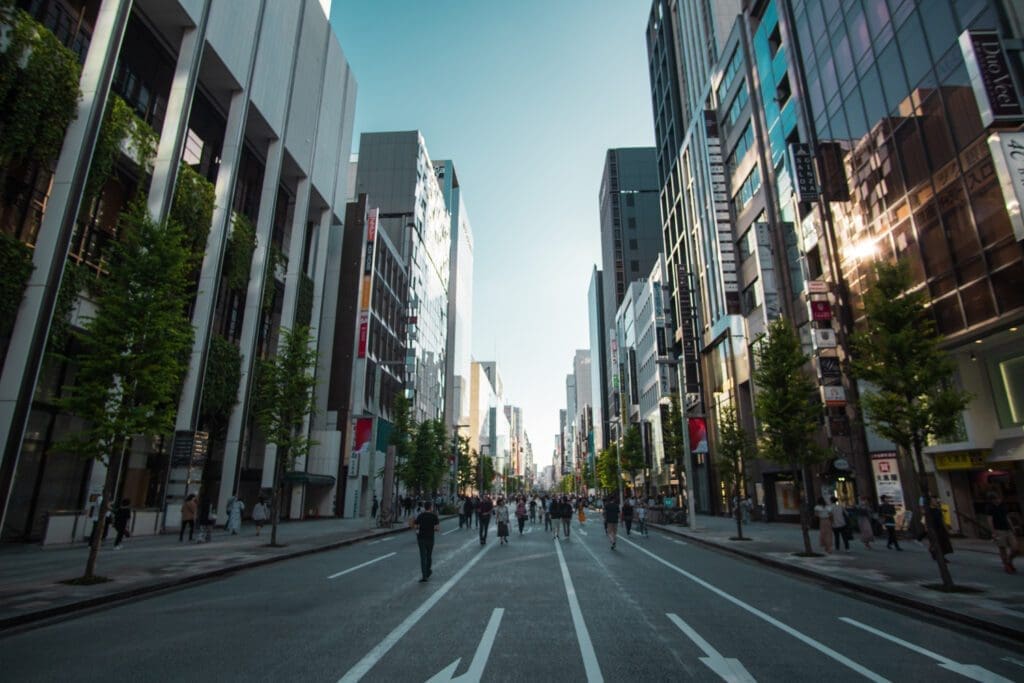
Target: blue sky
[(525, 96)]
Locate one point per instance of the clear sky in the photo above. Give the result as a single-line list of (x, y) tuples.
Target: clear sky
[(525, 96)]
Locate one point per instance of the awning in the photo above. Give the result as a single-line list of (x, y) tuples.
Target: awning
[(308, 479), (1011, 448)]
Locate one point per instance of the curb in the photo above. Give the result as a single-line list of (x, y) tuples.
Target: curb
[(981, 624), (112, 599)]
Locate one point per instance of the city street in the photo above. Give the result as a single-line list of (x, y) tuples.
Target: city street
[(656, 608)]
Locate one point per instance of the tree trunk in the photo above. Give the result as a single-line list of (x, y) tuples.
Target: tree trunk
[(282, 453), (805, 520), (739, 517), (933, 533), (109, 486)]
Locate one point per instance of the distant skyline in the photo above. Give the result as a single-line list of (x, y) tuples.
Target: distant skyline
[(525, 98)]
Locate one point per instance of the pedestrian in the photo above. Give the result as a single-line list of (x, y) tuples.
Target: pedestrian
[(555, 510), (566, 516), (581, 513), (840, 523), (521, 514), (121, 519), (546, 503), (486, 507), (427, 524), (188, 517), (824, 514), (207, 520), (476, 511), (234, 515), (939, 541), (887, 511), (611, 520), (627, 515), (746, 506), (502, 519), (373, 510), (260, 514), (641, 517), (533, 510), (1002, 531), (864, 515)]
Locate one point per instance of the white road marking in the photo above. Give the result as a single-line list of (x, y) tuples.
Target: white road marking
[(678, 542), (586, 647), (363, 666), (728, 669), (971, 671), (381, 540), (583, 532), (483, 651), (1015, 661), (824, 649), (451, 531), (360, 566)]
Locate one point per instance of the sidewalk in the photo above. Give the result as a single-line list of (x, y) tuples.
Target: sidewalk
[(30, 575), (887, 574)]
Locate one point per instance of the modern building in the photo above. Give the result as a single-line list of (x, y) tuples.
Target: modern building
[(251, 101), (396, 172), (583, 420), (599, 360), (490, 433)]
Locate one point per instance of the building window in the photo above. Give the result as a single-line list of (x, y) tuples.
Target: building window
[(633, 244), (1006, 374), (193, 152), (634, 266)]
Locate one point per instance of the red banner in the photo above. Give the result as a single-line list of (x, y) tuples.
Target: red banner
[(821, 310)]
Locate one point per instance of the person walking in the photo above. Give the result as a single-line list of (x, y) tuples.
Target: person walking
[(467, 511), (189, 509), (840, 524), (373, 511), (887, 511), (555, 510), (824, 514), (234, 513), (627, 515), (581, 512), (427, 524), (486, 507), (1002, 531), (546, 505), (641, 518), (261, 513), (533, 510), (521, 514), (566, 516), (122, 517), (476, 511), (611, 520), (502, 519), (863, 514)]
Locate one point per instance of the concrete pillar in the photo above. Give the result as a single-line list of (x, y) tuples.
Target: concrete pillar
[(32, 326), (175, 128)]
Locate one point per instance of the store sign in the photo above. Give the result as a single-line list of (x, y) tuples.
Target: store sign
[(994, 90), (362, 432), (820, 310), (838, 425), (887, 477), (364, 332), (1008, 158), (824, 338), (801, 160), (834, 396), (817, 287), (828, 368), (960, 460)]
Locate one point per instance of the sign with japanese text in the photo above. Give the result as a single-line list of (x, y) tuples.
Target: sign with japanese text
[(887, 477), (820, 310)]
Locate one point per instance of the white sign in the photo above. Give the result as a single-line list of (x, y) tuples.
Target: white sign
[(887, 477), (1008, 158), (824, 338), (817, 287), (833, 396)]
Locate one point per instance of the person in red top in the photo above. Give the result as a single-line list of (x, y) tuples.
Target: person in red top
[(486, 507), (521, 514)]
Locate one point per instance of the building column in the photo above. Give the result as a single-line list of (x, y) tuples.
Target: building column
[(32, 326), (175, 128)]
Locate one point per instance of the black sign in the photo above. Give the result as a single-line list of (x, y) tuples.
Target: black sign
[(831, 374), (801, 160), (994, 89)]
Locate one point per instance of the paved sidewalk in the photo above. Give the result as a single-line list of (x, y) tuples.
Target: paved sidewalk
[(30, 575), (887, 574)]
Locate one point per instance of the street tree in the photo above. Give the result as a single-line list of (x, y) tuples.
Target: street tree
[(465, 473), (486, 472), (734, 447), (401, 436), (788, 410), (134, 352), (632, 454), (608, 468), (284, 398), (913, 398), (672, 437), (589, 474)]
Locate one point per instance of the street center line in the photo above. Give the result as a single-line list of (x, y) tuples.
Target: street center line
[(975, 673), (360, 566), (824, 649), (364, 665), (586, 647), (450, 531)]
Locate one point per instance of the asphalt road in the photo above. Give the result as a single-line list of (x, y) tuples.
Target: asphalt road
[(654, 609)]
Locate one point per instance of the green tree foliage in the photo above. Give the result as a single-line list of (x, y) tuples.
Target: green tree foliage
[(672, 435), (284, 399), (734, 447), (632, 453), (402, 432), (608, 468), (466, 460), (915, 397), (74, 280), (134, 350), (117, 124), (274, 257), (304, 301), (787, 408), (488, 471), (15, 269), (38, 90), (193, 205), (220, 385), (241, 246), (589, 474)]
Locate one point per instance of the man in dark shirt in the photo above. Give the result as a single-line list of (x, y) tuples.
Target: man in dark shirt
[(486, 506), (426, 524), (611, 520), (1002, 532)]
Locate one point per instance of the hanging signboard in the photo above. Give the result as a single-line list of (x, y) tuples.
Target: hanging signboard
[(834, 396), (801, 160), (991, 79), (887, 477), (828, 368), (820, 310), (824, 338), (1008, 158)]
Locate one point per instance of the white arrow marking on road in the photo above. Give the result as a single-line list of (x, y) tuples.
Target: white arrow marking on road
[(361, 668), (971, 671), (360, 566), (483, 651), (823, 649), (727, 669), (583, 532), (582, 636)]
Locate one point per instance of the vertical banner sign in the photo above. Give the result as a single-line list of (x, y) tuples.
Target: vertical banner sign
[(820, 310), (698, 434), (360, 444), (887, 477), (1008, 158), (367, 286), (801, 160), (991, 79)]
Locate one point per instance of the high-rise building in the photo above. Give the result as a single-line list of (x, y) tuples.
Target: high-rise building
[(599, 360), (583, 421), (254, 108), (395, 171)]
